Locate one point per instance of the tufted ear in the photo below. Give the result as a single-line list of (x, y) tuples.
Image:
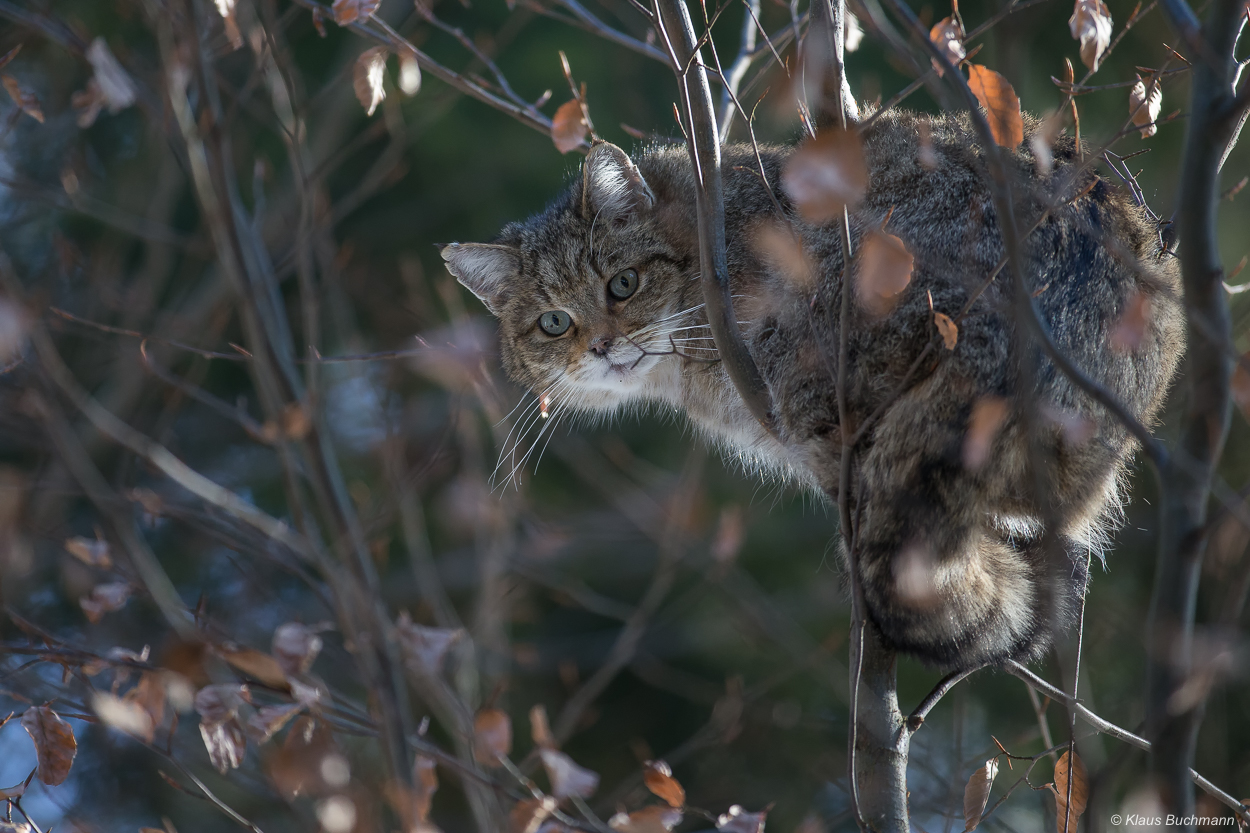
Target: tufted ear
[(488, 270), (612, 186)]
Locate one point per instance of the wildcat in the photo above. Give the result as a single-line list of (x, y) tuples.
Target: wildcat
[(600, 306)]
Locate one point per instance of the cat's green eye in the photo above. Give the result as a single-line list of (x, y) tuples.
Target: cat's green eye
[(555, 323), (623, 284)]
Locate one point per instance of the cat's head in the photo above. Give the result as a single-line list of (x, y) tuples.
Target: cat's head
[(588, 293)]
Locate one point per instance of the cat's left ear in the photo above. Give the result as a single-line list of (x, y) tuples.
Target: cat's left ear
[(612, 186), (487, 269)]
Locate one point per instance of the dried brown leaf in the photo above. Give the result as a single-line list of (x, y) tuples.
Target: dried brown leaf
[(1144, 105), (1002, 106), (654, 819), (826, 174), (1130, 330), (948, 35), (307, 755), (658, 777), (55, 746), (367, 76), (529, 815), (269, 720), (1091, 25), (738, 820), (540, 729), (9, 56), (26, 101), (255, 664), (492, 736), (349, 11), (226, 743), (425, 784), (988, 415), (948, 328), (885, 269), (977, 794), (425, 648), (105, 598), (91, 551), (566, 777), (225, 8), (295, 647), (781, 248), (150, 695), (124, 715), (568, 126), (1066, 817)]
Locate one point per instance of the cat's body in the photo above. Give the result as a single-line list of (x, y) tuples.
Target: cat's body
[(949, 545)]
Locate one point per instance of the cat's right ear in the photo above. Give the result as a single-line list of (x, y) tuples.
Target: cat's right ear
[(612, 186), (487, 269)]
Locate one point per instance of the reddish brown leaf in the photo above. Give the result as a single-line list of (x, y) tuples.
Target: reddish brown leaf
[(977, 794), (24, 99), (269, 720), (308, 762), (367, 76), (540, 729), (295, 647), (654, 819), (55, 746), (948, 34), (1002, 106), (658, 777), (349, 11), (1144, 106), (255, 664), (105, 598), (1091, 25), (568, 126), (1130, 330), (492, 736), (425, 784), (826, 174), (225, 8), (948, 328), (988, 415), (150, 696), (885, 268), (738, 820), (91, 551), (1065, 817), (319, 21), (528, 815), (567, 778), (424, 648)]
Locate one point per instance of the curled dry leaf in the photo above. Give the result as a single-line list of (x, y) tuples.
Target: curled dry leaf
[(91, 551), (568, 126), (409, 74), (26, 101), (295, 647), (658, 777), (567, 778), (307, 756), (738, 820), (124, 715), (1091, 25), (654, 819), (367, 77), (224, 738), (55, 746), (349, 11), (977, 794), (988, 415), (225, 8), (948, 328), (492, 736), (529, 815), (826, 174), (1066, 817), (948, 35), (269, 720), (425, 648), (540, 729), (1002, 106), (1130, 330), (885, 268), (255, 664), (1144, 106), (105, 598)]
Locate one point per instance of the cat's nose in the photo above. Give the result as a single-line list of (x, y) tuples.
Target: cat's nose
[(600, 345)]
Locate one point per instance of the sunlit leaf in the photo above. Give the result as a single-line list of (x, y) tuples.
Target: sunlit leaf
[(738, 820), (255, 664), (977, 794), (367, 76), (529, 815), (1067, 816), (948, 35), (150, 694), (540, 729), (1091, 25), (1144, 106), (567, 778), (92, 551), (1002, 106), (492, 736), (948, 329), (409, 74), (654, 819), (885, 269), (224, 738), (337, 814), (124, 715), (568, 126), (658, 777), (826, 174), (225, 8), (988, 415), (55, 745), (349, 11)]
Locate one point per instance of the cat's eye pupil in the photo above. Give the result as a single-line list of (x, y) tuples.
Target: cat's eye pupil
[(623, 284), (555, 323)]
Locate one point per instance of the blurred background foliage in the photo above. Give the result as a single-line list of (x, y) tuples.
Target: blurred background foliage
[(738, 674)]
